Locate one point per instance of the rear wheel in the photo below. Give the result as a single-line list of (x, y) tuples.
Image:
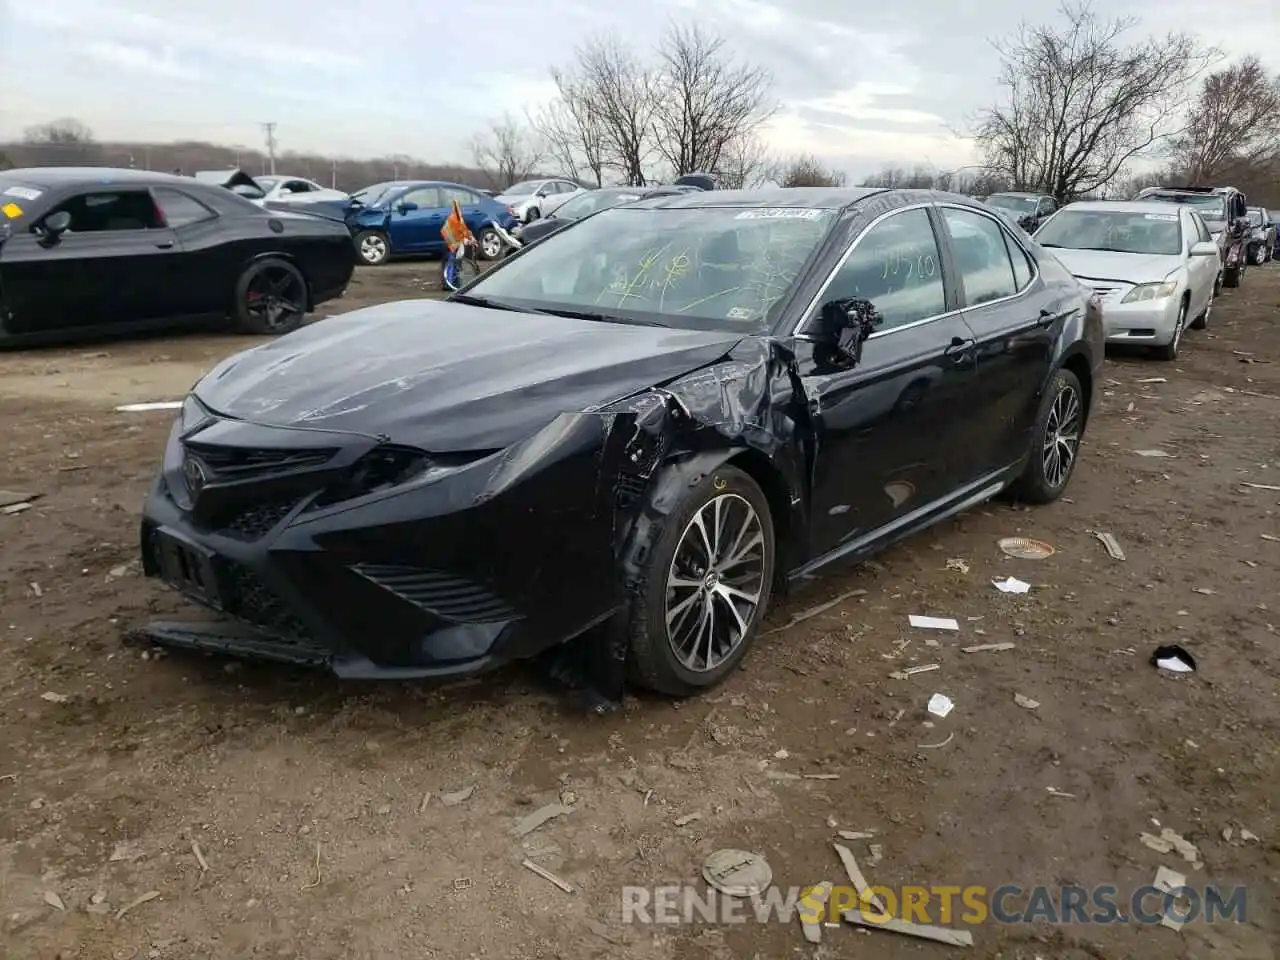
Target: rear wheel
[(490, 243), (271, 297), (1055, 442), (705, 586)]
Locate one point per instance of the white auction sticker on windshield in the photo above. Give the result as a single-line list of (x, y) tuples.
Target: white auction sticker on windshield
[(1167, 217), (23, 193), (780, 213)]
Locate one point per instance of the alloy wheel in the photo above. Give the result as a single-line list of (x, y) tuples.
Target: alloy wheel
[(275, 295), (1062, 436), (490, 245), (1178, 327), (373, 249), (715, 583)]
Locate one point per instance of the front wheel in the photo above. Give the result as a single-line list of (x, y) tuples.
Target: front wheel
[(271, 297), (1259, 256), (490, 243), (1169, 351), (1055, 441), (372, 247), (704, 587), (533, 214)]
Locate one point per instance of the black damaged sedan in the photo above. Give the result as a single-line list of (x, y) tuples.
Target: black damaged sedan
[(631, 436)]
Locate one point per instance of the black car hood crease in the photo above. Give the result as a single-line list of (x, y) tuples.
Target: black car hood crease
[(449, 377)]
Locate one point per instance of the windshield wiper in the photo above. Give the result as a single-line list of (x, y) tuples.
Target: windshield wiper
[(604, 317), (472, 300)]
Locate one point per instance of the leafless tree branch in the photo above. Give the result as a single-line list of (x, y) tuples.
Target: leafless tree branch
[(507, 152)]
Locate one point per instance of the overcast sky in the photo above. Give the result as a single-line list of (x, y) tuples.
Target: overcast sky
[(861, 85)]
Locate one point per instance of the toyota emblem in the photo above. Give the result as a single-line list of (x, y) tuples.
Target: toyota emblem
[(193, 473)]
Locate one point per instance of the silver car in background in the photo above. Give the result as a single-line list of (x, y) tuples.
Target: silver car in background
[(1154, 266)]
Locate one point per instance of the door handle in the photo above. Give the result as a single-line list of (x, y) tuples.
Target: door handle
[(164, 245), (960, 349)]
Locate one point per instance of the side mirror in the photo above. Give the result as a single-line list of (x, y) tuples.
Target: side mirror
[(1204, 248), (544, 193), (845, 325), (408, 207), (56, 224)]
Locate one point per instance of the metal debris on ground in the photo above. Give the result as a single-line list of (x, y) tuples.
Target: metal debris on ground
[(1025, 702), (1010, 585), (1173, 659), (737, 873), (1022, 548), (989, 648), (457, 797), (811, 910), (1061, 794), (866, 895), (1170, 841), (933, 623), (923, 931), (547, 875), (912, 671), (1111, 544), (940, 705), (815, 611), (544, 814), (1154, 453)]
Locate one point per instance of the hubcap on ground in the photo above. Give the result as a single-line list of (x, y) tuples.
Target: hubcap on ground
[(1061, 436), (715, 582), (373, 249)]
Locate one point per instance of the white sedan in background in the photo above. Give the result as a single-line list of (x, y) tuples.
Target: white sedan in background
[(1154, 266), (530, 199), (296, 190)]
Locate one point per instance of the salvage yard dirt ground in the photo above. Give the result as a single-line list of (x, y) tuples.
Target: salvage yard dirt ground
[(305, 796)]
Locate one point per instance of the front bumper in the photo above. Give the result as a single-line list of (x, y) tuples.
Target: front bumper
[(1149, 321), (494, 562)]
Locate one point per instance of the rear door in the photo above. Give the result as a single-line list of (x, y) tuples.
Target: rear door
[(472, 206), (417, 230), (1203, 270), (1015, 321), (111, 268)]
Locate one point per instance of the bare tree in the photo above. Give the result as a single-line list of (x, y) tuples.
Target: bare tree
[(809, 171), (921, 178), (67, 130), (705, 99), (1234, 122), (1079, 104), (571, 131), (506, 153), (745, 164), (65, 142), (616, 93)]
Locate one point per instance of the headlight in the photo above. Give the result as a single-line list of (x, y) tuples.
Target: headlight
[(192, 416), (1151, 291), (388, 467)]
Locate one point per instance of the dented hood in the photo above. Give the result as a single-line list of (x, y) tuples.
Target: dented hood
[(448, 377)]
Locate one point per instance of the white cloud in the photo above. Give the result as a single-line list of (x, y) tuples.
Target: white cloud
[(163, 63)]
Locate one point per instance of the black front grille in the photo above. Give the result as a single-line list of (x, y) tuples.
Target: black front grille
[(254, 602), (255, 522), (447, 597), (629, 489), (247, 463)]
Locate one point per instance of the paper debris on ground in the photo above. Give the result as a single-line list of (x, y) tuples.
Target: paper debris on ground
[(912, 671), (923, 931), (1154, 453), (819, 609), (934, 623), (547, 875), (811, 910), (1171, 882), (940, 705), (1111, 544), (1026, 702), (545, 814), (989, 647), (1010, 585), (149, 406), (859, 882), (1170, 841)]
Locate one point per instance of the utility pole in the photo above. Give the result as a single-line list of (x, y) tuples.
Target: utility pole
[(270, 129), (333, 174)]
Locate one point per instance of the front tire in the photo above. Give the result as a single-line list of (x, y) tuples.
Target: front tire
[(1055, 441), (372, 247), (1231, 276), (532, 214), (490, 244), (271, 297), (1169, 351), (704, 587), (1201, 322), (1259, 256)]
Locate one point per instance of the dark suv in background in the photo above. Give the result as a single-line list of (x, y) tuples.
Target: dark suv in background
[(1027, 210), (1225, 213), (1262, 235)]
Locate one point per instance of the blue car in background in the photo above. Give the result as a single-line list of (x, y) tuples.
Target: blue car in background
[(403, 218)]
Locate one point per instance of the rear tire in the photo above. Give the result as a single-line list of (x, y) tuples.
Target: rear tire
[(691, 624), (271, 298), (1062, 415), (489, 243)]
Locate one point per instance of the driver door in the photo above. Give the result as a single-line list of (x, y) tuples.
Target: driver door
[(891, 442), (417, 230)]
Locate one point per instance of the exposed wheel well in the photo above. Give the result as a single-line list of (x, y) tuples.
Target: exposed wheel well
[(757, 466), (1078, 365)]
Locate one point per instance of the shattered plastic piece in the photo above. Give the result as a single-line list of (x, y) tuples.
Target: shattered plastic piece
[(52, 697), (526, 825), (737, 873), (547, 875), (687, 819), (1174, 659), (1022, 548), (811, 912), (1170, 841), (1260, 486), (958, 565), (1170, 882), (865, 893), (1111, 543), (955, 938), (1154, 453), (53, 900), (457, 797), (1010, 585), (933, 623), (940, 705), (989, 647), (10, 498), (1026, 702)]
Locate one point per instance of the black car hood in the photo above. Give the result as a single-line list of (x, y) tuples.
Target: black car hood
[(448, 377)]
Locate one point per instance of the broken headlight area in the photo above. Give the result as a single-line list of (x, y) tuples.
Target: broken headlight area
[(389, 467)]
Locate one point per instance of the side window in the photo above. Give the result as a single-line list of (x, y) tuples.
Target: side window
[(1021, 262), (111, 210), (896, 265), (1047, 207), (427, 198), (1202, 231), (464, 197), (299, 186), (982, 259), (567, 187), (179, 209)]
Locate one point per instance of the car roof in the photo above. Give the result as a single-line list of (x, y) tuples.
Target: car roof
[(822, 198), (1016, 193), (1121, 206), (50, 177)]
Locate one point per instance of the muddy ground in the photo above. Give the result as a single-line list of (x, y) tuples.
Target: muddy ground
[(305, 795)]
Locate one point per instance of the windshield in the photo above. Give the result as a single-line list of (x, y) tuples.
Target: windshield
[(268, 183), (1210, 206), (706, 268), (593, 201), (370, 196), (1255, 216), (522, 189), (1147, 233), (15, 197), (1011, 203)]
